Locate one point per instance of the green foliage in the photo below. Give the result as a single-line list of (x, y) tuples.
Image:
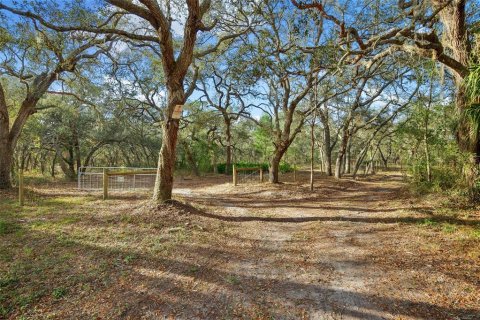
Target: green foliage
[(443, 178), (283, 168), (472, 83), (232, 279), (7, 227), (222, 166), (59, 293), (472, 112)]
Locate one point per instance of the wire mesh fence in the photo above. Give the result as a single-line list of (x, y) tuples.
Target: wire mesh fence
[(248, 176), (119, 178)]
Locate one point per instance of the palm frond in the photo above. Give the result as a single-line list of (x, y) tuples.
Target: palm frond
[(472, 112), (472, 84)]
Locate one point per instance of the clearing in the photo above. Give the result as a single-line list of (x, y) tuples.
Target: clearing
[(363, 249)]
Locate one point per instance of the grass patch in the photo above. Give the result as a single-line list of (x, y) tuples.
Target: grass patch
[(7, 227), (428, 223), (232, 279), (59, 293)]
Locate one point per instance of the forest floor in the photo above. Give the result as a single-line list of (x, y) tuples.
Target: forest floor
[(365, 249)]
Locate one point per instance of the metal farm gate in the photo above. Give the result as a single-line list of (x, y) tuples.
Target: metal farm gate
[(116, 178)]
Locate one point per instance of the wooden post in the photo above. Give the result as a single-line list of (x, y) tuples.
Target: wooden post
[(234, 175), (294, 173), (105, 184), (21, 194), (261, 175)]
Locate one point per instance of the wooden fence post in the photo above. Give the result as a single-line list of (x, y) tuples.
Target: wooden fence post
[(105, 184), (294, 173), (234, 175), (21, 194), (261, 174)]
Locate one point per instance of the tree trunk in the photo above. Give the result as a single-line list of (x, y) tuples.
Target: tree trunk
[(6, 158), (166, 162), (327, 148), (76, 148), (214, 161), (312, 152), (359, 161), (453, 18), (9, 135), (341, 154), (384, 158), (348, 157), (274, 166), (65, 166), (327, 151), (54, 160), (228, 134), (6, 150), (191, 159), (425, 135)]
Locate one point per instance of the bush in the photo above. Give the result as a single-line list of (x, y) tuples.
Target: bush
[(443, 178), (284, 167)]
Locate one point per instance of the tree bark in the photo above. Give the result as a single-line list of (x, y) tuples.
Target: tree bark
[(348, 157), (6, 158), (166, 162), (341, 152), (327, 148), (9, 136), (228, 134), (6, 150), (191, 159), (275, 166), (312, 151)]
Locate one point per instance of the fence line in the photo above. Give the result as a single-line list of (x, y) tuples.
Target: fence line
[(116, 178), (256, 173)]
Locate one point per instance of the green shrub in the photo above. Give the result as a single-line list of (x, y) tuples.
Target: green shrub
[(443, 178), (59, 293), (222, 166), (283, 168), (7, 227)]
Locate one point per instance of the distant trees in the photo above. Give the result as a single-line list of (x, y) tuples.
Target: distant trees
[(34, 57), (224, 92), (287, 73), (440, 30), (245, 73)]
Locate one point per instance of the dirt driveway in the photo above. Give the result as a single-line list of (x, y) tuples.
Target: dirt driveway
[(348, 250)]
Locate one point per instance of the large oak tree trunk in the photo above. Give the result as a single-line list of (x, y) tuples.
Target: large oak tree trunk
[(6, 160), (274, 168), (275, 162), (9, 138), (453, 18), (166, 162)]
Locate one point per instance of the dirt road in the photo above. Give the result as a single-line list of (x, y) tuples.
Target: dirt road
[(348, 250)]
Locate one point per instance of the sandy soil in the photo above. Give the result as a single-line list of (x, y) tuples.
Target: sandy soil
[(334, 253)]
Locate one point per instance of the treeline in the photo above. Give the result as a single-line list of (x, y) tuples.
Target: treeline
[(273, 82)]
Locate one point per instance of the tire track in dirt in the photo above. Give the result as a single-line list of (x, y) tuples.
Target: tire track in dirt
[(342, 282), (309, 255)]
